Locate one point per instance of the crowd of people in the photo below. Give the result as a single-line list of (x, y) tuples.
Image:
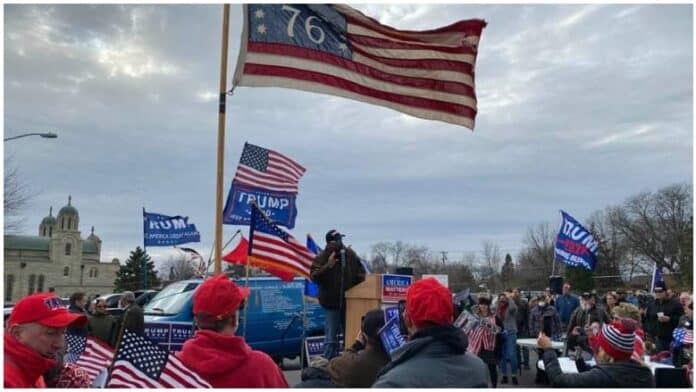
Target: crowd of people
[(610, 337)]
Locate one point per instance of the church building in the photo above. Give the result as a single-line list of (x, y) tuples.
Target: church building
[(57, 259)]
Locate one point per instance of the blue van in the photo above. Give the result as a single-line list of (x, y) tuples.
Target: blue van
[(273, 315)]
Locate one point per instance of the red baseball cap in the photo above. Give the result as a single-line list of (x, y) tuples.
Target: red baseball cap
[(429, 301), (46, 309), (217, 298)]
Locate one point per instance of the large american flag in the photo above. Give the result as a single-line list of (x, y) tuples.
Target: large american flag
[(141, 363), (337, 50), (87, 353), (267, 169), (271, 246)]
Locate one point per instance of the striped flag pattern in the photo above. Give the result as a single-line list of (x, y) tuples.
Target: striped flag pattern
[(88, 353), (337, 50), (267, 169), (271, 246), (481, 338), (141, 363)]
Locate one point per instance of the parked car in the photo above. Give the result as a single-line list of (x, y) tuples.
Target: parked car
[(274, 313)]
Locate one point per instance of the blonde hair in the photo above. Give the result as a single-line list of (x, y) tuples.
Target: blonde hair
[(626, 310)]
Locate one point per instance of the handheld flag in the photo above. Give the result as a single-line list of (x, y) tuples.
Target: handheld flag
[(270, 246), (683, 337), (656, 278), (88, 353), (165, 230), (575, 245), (311, 289), (240, 253), (337, 50), (141, 363)]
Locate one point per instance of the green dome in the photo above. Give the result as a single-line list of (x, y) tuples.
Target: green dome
[(69, 209), (48, 221)]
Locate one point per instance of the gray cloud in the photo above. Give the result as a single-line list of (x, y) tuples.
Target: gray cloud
[(580, 106)]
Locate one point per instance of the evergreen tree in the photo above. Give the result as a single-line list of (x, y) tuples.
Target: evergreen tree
[(580, 279), (507, 272), (131, 276)]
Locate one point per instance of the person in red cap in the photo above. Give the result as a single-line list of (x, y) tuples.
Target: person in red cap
[(34, 335), (615, 368), (435, 355), (219, 356)]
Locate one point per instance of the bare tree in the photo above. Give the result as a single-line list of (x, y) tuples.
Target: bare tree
[(655, 225), (17, 196), (179, 267)]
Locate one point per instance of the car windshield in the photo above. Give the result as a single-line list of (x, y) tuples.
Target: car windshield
[(170, 300)]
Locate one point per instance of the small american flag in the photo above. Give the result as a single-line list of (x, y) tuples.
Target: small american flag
[(88, 354), (267, 169), (271, 246), (141, 363), (482, 337), (337, 50), (683, 336)]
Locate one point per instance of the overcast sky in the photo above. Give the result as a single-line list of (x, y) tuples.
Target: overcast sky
[(580, 106)]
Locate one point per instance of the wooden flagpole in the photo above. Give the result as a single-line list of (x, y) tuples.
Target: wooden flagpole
[(221, 140)]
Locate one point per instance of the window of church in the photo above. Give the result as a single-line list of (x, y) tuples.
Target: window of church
[(32, 283), (9, 286), (68, 249), (41, 283), (95, 272), (50, 231), (69, 223), (66, 271)]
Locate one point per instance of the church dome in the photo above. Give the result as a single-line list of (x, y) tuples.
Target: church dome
[(69, 209), (49, 220), (93, 236)]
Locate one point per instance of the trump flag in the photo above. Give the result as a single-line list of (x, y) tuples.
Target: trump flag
[(575, 245), (337, 50)]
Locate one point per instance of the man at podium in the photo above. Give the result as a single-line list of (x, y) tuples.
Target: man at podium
[(336, 269)]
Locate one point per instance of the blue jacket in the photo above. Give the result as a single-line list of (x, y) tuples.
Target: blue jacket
[(566, 305)]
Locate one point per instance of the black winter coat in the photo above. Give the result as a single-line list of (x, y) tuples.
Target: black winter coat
[(626, 374), (671, 308), (329, 280)]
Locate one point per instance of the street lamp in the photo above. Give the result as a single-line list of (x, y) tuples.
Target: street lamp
[(47, 135)]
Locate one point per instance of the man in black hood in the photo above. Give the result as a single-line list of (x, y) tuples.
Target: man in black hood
[(336, 269)]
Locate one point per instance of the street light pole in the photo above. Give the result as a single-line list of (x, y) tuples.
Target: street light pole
[(47, 135)]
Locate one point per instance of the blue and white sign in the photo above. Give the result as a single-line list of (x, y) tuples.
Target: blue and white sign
[(391, 336), (390, 313), (575, 245), (394, 287), (278, 206), (314, 347), (165, 230), (170, 335)]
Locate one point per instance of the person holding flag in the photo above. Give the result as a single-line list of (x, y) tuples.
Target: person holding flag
[(336, 269), (215, 353), (34, 334)]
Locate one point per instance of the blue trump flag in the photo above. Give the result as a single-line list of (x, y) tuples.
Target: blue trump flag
[(165, 230), (656, 278), (311, 289), (575, 245), (278, 206)]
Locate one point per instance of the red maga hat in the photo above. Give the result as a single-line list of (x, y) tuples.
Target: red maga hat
[(217, 298), (427, 301), (46, 309)]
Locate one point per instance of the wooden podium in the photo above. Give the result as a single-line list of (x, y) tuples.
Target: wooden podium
[(361, 299)]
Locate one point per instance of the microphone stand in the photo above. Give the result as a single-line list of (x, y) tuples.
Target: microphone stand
[(342, 299)]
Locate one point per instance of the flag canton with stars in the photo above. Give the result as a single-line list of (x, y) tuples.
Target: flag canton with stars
[(683, 336), (262, 224), (146, 356), (311, 26), (255, 157), (76, 346)]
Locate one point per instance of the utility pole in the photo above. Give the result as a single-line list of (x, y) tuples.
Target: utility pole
[(444, 257)]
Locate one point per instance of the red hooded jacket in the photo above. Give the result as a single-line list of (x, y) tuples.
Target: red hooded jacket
[(228, 362), (24, 367)]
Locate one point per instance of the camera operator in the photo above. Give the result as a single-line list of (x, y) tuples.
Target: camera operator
[(336, 269)]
